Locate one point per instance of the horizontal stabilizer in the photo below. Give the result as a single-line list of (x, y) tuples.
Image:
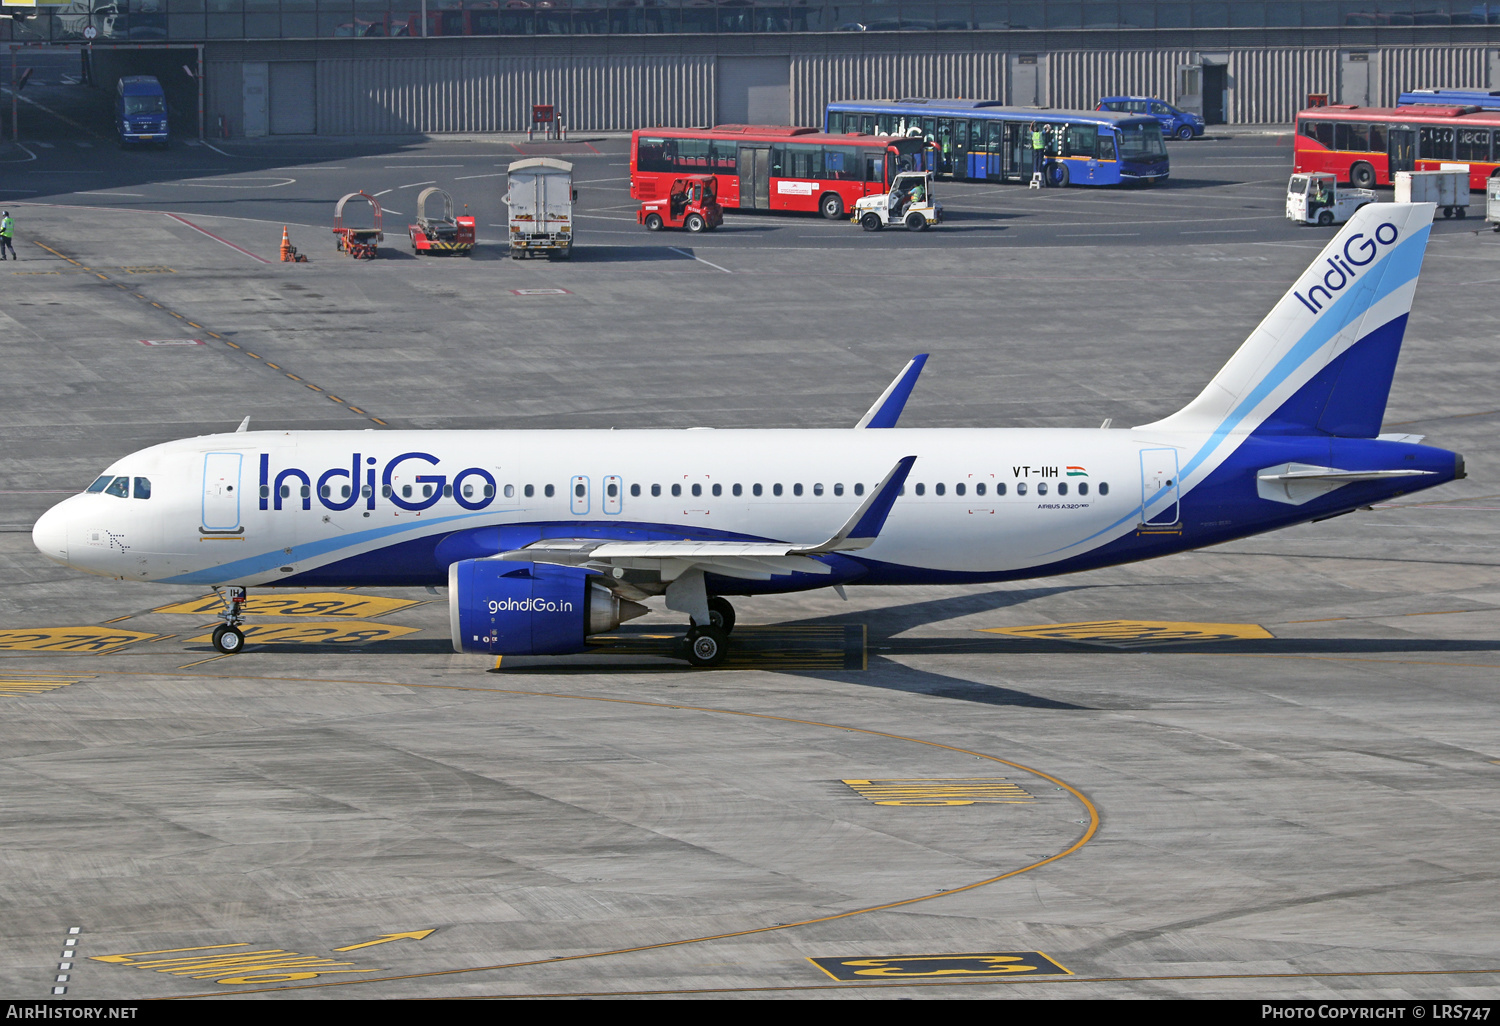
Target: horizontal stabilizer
[(1296, 483), (887, 409)]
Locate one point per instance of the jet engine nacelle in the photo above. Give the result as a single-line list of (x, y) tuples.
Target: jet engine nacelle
[(508, 608)]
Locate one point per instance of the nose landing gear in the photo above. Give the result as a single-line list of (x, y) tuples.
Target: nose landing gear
[(228, 637)]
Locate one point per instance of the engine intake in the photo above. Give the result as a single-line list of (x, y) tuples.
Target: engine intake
[(507, 608)]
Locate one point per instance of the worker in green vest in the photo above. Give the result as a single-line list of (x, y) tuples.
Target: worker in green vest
[(7, 229), (1038, 148)]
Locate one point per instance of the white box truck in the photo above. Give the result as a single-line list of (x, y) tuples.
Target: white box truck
[(1448, 189), (541, 207)]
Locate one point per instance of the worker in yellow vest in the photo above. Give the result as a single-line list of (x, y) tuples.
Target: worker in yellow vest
[(7, 229), (1038, 148)]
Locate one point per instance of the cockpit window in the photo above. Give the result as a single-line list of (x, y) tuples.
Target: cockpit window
[(98, 486), (119, 486), (143, 488)]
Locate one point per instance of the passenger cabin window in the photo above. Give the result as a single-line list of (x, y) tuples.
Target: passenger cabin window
[(958, 489), (776, 489), (530, 491), (1020, 487), (1473, 144), (1062, 488), (797, 488), (635, 491), (656, 491), (718, 489), (1083, 487), (939, 488), (1436, 143), (1103, 488), (143, 488), (838, 489), (859, 489), (610, 489), (676, 490), (921, 489), (979, 488), (579, 489), (817, 489), (1320, 131), (510, 491), (738, 489), (549, 491), (1000, 488), (385, 491), (119, 487), (755, 489), (1041, 487), (697, 490)]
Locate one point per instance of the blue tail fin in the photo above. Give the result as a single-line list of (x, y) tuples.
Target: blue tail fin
[(1322, 360)]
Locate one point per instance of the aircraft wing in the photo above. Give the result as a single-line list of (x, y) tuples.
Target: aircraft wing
[(751, 560)]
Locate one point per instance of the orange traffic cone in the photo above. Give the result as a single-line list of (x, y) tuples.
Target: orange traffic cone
[(288, 255)]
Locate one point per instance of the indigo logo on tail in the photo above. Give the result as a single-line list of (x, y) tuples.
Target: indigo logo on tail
[(1342, 270)]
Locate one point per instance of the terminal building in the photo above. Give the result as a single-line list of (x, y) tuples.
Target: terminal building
[(400, 67)]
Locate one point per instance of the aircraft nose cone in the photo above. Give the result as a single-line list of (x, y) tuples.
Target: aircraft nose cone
[(50, 535)]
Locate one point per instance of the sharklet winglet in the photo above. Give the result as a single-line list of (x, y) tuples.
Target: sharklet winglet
[(887, 409)]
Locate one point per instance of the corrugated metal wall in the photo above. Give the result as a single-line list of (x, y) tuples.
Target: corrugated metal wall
[(1078, 78), (393, 96), (475, 92), (818, 79), (1270, 86), (1425, 67)]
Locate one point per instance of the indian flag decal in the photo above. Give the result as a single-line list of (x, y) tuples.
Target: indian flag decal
[(1077, 472)]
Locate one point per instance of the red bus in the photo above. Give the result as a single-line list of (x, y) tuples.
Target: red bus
[(1366, 145), (771, 167)]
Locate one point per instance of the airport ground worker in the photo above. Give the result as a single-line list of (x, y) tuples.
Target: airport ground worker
[(7, 229), (1038, 148)]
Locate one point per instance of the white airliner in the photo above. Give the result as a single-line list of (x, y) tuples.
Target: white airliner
[(545, 538)]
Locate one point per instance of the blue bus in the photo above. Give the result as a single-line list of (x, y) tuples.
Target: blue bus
[(985, 141), (141, 111), (1484, 99)]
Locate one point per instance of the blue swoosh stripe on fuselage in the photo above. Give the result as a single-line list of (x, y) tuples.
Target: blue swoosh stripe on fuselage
[(250, 566)]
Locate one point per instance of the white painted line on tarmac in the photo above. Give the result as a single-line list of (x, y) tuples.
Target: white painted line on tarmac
[(1103, 235), (466, 178), (382, 192), (206, 184), (98, 192), (413, 167), (29, 157), (217, 150), (413, 185), (211, 235), (1221, 231), (710, 263), (388, 210)]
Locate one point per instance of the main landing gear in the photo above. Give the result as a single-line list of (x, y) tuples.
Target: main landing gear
[(708, 644), (228, 637)]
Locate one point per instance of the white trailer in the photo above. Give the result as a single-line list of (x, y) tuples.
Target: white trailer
[(1448, 189), (1492, 204), (541, 207)]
